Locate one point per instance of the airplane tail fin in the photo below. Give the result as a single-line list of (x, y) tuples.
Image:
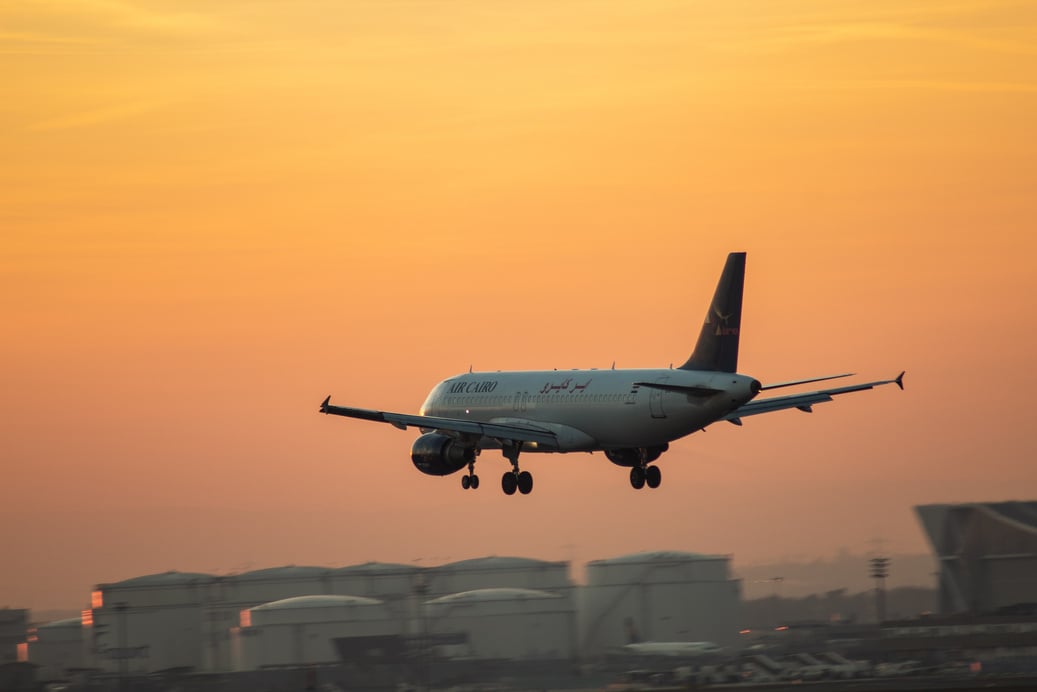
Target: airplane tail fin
[(717, 347)]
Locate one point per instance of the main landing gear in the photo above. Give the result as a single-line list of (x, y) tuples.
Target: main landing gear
[(515, 479), (521, 481), (643, 474)]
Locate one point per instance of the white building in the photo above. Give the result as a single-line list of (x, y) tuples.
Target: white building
[(381, 580), (57, 647), (659, 597), (186, 620), (229, 595), (402, 588), (301, 630), (149, 623), (500, 572), (506, 623)]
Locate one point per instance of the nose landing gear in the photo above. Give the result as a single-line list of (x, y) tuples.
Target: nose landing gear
[(470, 480)]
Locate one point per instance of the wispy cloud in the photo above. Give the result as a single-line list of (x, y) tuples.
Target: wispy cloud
[(97, 116), (134, 15), (29, 38), (916, 84), (62, 25), (861, 31)]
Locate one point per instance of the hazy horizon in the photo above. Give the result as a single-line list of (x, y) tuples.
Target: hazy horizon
[(801, 574), (215, 215)]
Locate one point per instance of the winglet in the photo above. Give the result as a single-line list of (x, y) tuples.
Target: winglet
[(900, 380), (324, 404)]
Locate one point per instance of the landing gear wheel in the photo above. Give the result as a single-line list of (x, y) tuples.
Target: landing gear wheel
[(466, 482), (525, 482), (509, 483), (653, 476), (637, 477), (474, 482)]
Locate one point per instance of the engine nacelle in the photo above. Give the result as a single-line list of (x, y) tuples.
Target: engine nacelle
[(632, 457), (440, 455)]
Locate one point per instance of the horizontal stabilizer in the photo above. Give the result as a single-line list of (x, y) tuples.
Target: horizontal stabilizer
[(805, 401), (792, 383)]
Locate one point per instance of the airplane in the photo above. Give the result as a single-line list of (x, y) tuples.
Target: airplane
[(672, 649), (631, 415)]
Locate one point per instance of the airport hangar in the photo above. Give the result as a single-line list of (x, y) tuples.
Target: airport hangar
[(485, 609), (987, 556)]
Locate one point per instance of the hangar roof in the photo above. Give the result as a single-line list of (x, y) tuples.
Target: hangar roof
[(322, 601), (60, 624), (495, 562), (501, 594), (285, 572), (171, 578), (378, 567), (658, 556)]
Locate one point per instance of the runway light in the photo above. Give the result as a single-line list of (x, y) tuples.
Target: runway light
[(745, 631), (781, 629)]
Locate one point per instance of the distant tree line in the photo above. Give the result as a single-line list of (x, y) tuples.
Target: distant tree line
[(838, 606)]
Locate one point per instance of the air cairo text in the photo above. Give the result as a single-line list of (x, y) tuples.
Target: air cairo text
[(473, 387)]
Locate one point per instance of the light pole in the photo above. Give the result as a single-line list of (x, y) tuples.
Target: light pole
[(879, 570), (124, 660), (421, 590)]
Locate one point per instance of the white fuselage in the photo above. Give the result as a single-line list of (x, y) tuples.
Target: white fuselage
[(672, 649), (592, 410)]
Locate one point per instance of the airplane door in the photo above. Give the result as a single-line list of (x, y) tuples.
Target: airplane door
[(655, 400), (520, 401)]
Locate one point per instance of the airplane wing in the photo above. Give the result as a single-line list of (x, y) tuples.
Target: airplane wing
[(498, 431), (803, 401)]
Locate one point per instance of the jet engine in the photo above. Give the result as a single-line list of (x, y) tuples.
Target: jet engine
[(440, 455), (632, 457)]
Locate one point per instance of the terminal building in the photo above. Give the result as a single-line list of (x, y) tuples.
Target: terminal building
[(987, 555)]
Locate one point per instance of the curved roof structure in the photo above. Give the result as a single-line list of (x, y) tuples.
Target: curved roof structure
[(378, 568), (657, 556), (317, 601), (285, 572), (171, 578), (61, 624), (495, 562), (488, 595)]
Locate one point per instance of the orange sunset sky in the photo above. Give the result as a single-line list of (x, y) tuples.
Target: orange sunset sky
[(215, 214)]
